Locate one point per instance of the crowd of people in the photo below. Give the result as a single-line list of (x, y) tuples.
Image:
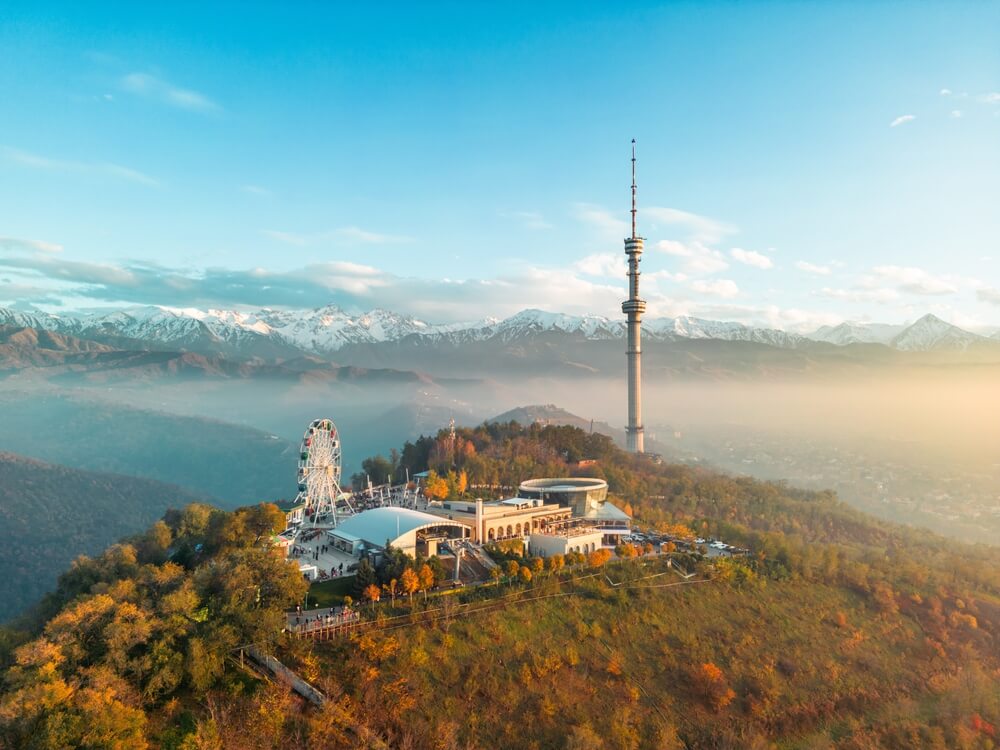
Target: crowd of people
[(305, 622)]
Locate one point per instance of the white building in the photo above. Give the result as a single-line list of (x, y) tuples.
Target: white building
[(587, 497), (583, 539), (408, 530)]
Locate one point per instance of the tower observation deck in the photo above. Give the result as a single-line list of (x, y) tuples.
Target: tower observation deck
[(633, 308)]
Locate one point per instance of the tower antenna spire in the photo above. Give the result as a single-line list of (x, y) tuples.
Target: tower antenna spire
[(633, 308), (634, 235)]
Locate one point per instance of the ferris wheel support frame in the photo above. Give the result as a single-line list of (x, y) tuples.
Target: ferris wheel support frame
[(319, 473)]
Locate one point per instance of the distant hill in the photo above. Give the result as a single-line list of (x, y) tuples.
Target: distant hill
[(550, 414), (33, 354), (236, 464), (50, 514)]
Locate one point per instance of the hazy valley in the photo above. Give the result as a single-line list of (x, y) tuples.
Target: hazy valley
[(225, 424)]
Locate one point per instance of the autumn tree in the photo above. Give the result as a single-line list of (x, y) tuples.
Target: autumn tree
[(426, 575), (598, 557), (435, 486), (711, 685), (372, 593), (393, 589), (262, 521), (583, 737), (409, 583), (364, 576)]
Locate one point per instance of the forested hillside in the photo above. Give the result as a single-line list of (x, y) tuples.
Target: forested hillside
[(50, 514), (838, 631), (235, 464)]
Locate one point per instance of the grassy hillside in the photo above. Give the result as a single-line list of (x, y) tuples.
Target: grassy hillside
[(50, 514), (235, 464), (812, 665), (839, 631)]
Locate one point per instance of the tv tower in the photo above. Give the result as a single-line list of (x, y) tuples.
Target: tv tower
[(633, 308)]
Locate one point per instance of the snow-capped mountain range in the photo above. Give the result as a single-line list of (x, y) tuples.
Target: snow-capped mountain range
[(327, 330)]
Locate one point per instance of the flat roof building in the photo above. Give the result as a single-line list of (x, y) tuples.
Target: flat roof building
[(559, 541), (514, 518)]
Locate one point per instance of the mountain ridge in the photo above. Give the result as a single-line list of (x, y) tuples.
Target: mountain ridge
[(326, 330)]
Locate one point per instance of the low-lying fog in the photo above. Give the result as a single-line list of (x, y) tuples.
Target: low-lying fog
[(918, 447), (921, 447)]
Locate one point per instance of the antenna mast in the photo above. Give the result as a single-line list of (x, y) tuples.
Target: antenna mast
[(633, 189)]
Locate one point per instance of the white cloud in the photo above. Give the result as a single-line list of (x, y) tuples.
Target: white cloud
[(988, 294), (911, 280), (699, 260), (991, 98), (602, 264), (603, 220), (956, 113), (945, 92), (13, 243), (751, 258), (107, 169), (770, 316), (725, 288), (901, 120), (149, 86), (663, 275), (699, 228), (878, 295), (812, 268)]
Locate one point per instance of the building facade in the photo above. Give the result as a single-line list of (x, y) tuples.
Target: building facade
[(515, 518)]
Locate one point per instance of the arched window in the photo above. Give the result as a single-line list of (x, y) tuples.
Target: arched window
[(510, 530), (491, 535), (517, 530)]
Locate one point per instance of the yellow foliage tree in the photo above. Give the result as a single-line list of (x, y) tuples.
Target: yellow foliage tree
[(409, 582), (598, 557), (426, 575), (435, 486), (372, 593)]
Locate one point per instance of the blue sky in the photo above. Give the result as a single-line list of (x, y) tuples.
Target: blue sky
[(799, 163)]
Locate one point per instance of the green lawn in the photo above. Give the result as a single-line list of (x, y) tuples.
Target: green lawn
[(331, 593)]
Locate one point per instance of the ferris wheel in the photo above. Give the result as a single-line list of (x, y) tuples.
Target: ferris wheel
[(319, 472)]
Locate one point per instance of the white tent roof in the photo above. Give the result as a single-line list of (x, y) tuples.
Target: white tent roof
[(607, 512), (378, 524)]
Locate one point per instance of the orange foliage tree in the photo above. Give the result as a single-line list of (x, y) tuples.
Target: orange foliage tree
[(711, 685)]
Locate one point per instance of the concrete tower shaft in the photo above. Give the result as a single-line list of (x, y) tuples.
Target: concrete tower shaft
[(633, 308)]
